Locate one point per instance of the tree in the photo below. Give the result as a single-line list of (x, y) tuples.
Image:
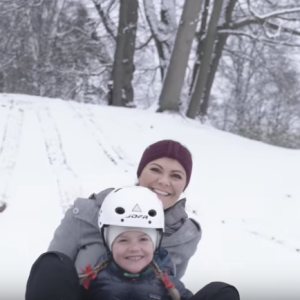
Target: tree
[(260, 99), (162, 30), (241, 20), (219, 47), (123, 68), (170, 95), (47, 49), (201, 80)]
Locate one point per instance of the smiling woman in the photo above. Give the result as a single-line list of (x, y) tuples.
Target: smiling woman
[(165, 168), (166, 177)]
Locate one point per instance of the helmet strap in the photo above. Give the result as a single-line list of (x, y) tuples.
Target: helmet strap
[(103, 238), (160, 238)]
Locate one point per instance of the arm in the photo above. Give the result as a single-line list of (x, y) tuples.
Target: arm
[(181, 237), (79, 229), (182, 245), (67, 235), (192, 245), (181, 268)]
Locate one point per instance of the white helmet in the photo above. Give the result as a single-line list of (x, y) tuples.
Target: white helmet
[(129, 207)]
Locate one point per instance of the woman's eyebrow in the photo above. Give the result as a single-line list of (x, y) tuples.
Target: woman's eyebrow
[(177, 171), (157, 165), (162, 168)]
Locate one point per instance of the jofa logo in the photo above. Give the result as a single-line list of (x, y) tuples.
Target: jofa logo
[(133, 216)]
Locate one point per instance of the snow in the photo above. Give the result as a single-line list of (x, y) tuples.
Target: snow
[(244, 193), (274, 13), (162, 32)]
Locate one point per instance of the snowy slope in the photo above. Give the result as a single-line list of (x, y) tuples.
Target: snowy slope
[(245, 194)]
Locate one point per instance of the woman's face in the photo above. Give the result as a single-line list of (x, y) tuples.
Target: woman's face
[(166, 177)]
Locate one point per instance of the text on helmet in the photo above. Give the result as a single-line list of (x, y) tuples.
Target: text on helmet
[(134, 216)]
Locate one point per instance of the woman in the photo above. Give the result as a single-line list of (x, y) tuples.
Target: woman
[(165, 168), (135, 266)]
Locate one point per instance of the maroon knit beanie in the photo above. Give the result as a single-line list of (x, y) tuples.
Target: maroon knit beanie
[(170, 149)]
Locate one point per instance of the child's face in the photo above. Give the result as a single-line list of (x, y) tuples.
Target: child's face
[(133, 251)]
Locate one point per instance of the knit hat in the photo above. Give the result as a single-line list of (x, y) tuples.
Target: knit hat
[(112, 232), (170, 149)]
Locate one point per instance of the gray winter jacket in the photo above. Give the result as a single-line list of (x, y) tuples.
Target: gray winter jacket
[(78, 235)]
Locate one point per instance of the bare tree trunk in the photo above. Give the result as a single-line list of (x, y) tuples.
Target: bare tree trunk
[(201, 40), (221, 42), (170, 95), (107, 22), (35, 52), (206, 59), (2, 87), (48, 87), (162, 30), (123, 67)]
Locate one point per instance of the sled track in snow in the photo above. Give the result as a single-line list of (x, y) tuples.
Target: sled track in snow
[(114, 154), (282, 241), (291, 244), (67, 181), (9, 146)]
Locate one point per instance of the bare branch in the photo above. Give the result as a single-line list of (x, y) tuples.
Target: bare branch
[(272, 14), (110, 4), (81, 73), (108, 23), (145, 44), (258, 38), (251, 21), (7, 63), (283, 29)]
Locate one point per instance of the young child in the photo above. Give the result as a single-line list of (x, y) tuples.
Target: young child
[(131, 221)]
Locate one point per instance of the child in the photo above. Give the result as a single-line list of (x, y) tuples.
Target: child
[(131, 221)]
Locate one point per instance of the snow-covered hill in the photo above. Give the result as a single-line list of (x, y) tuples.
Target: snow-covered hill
[(245, 194)]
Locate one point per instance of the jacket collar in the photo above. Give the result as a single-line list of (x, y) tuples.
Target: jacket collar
[(175, 216)]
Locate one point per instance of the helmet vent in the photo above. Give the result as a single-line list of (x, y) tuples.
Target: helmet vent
[(152, 213), (120, 210)]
